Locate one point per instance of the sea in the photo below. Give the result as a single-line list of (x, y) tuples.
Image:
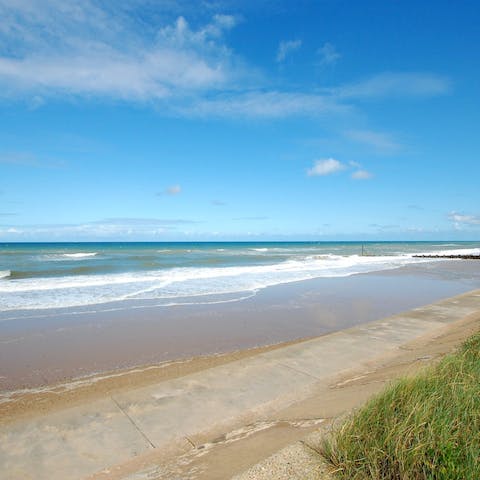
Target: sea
[(102, 276)]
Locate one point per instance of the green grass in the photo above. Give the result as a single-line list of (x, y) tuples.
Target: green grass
[(425, 427)]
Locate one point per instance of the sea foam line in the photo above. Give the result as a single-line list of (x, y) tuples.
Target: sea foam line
[(80, 254), (169, 285)]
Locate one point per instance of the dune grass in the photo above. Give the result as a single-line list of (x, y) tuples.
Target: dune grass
[(425, 427)]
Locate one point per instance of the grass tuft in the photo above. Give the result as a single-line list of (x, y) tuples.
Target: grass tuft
[(425, 427)]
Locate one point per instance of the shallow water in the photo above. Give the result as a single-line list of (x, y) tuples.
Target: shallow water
[(102, 276)]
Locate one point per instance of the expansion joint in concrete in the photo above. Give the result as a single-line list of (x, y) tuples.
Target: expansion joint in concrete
[(299, 371), (190, 442), (142, 433)]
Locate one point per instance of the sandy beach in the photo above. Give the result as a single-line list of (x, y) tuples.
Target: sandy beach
[(40, 349)]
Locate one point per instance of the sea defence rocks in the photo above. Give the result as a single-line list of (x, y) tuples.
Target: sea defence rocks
[(457, 257)]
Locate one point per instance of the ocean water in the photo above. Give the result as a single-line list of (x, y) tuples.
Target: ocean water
[(43, 276)]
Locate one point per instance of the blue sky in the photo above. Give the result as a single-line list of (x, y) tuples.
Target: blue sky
[(247, 120)]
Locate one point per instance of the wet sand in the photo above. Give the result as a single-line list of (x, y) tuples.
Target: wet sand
[(40, 350)]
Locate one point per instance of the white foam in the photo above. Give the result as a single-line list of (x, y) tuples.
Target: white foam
[(446, 245), (173, 286), (62, 257), (5, 273), (168, 285), (80, 254)]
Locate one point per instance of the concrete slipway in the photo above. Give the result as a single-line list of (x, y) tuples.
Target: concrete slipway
[(91, 439)]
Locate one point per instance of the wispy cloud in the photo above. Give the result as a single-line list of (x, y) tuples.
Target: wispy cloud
[(265, 104), (379, 141), (218, 203), (91, 49), (461, 220), (329, 166), (172, 190), (143, 221), (19, 158), (84, 49), (361, 175), (108, 228), (27, 159), (286, 47), (328, 54), (383, 227), (325, 166), (339, 101), (396, 85), (251, 218)]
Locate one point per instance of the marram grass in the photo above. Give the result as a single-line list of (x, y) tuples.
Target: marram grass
[(425, 427)]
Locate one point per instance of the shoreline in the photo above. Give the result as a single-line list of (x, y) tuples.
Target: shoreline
[(39, 352)]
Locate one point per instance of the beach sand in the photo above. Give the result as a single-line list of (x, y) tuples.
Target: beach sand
[(39, 348)]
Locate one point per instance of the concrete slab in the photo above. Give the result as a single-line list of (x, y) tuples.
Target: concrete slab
[(70, 443), (191, 404)]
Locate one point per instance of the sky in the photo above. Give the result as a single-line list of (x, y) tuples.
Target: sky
[(253, 120)]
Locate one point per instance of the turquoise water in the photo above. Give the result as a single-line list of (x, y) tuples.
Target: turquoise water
[(55, 275)]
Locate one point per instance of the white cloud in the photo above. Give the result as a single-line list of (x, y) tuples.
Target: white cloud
[(396, 85), (171, 190), (109, 228), (70, 48), (174, 190), (96, 49), (286, 47), (460, 220), (328, 166), (278, 104), (27, 159), (361, 175), (328, 54), (266, 104), (132, 221), (325, 166), (381, 142), (19, 158)]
